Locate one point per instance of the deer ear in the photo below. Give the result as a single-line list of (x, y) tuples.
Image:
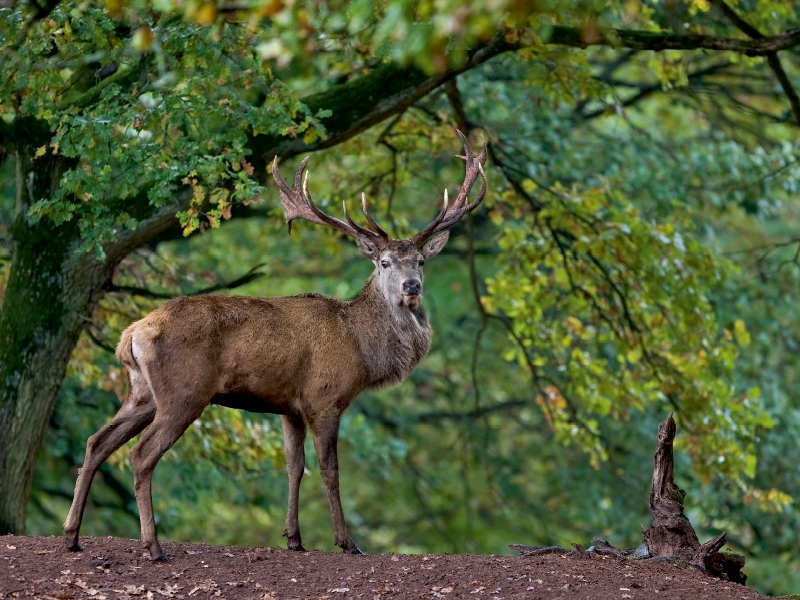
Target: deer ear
[(434, 245), (368, 247)]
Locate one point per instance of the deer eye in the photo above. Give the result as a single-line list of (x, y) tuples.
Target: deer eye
[(421, 262), (385, 264)]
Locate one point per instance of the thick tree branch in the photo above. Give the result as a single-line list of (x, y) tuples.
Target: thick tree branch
[(649, 40), (738, 21), (775, 64), (366, 101), (391, 89), (160, 221), (356, 106)]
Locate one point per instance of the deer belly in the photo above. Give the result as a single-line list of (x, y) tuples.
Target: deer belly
[(251, 403)]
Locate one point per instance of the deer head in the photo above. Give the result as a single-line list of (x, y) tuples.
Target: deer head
[(398, 263)]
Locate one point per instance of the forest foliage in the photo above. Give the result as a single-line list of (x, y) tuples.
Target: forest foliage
[(637, 255)]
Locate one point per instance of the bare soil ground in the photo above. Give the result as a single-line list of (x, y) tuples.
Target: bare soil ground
[(111, 568)]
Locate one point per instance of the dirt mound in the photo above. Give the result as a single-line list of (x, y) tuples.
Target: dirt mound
[(34, 567)]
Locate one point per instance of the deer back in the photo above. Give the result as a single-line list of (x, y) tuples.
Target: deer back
[(261, 354)]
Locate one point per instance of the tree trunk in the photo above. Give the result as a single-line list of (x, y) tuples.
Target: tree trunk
[(51, 293)]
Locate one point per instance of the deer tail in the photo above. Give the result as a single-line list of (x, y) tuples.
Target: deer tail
[(124, 349)]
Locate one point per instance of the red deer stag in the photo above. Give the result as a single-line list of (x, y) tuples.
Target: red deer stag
[(303, 357)]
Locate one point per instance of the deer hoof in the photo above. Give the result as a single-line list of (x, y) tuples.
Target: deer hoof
[(160, 559), (354, 550), (293, 542), (71, 539)]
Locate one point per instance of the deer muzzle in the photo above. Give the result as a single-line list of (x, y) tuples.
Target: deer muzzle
[(412, 287)]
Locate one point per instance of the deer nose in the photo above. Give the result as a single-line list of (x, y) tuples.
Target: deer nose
[(411, 286)]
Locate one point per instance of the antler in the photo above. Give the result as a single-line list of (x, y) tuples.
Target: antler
[(299, 205), (450, 215)]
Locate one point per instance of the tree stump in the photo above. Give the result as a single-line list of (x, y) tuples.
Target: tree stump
[(671, 534), (671, 537)]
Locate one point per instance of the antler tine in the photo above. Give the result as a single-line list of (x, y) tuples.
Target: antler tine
[(430, 229), (298, 203), (370, 220), (290, 198), (449, 216), (469, 180), (291, 194), (473, 205), (362, 230), (327, 219), (299, 173), (467, 148)]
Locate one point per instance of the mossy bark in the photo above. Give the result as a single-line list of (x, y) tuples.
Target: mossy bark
[(50, 294)]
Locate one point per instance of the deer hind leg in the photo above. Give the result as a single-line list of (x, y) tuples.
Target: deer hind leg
[(294, 437), (326, 437), (169, 424), (136, 413)]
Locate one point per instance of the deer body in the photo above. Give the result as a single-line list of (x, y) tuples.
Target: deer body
[(336, 349), (303, 357)]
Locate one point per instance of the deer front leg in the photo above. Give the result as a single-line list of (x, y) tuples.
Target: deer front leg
[(294, 436), (326, 437)]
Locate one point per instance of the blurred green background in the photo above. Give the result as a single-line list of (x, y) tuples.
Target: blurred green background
[(637, 254)]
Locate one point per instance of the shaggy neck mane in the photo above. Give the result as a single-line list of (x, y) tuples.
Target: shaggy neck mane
[(390, 347)]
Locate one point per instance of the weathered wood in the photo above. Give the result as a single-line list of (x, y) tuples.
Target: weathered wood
[(603, 547), (661, 40), (704, 556), (539, 550), (579, 551), (723, 565), (731, 565), (671, 533), (671, 537)]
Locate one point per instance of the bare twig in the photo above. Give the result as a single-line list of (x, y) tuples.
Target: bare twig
[(644, 91), (772, 57), (98, 342), (251, 275)]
